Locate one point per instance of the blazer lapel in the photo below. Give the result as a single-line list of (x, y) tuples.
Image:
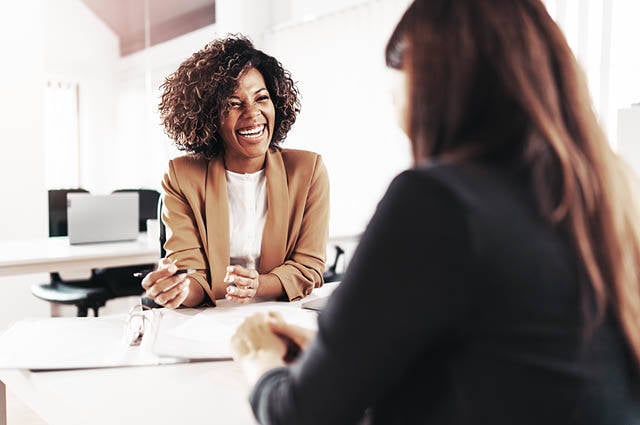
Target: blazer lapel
[(274, 236), (217, 215)]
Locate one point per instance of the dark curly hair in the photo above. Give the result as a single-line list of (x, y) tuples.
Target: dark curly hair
[(196, 94)]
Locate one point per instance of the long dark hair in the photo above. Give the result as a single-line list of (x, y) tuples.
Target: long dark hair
[(496, 79)]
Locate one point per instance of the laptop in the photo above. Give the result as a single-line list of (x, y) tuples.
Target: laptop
[(102, 218)]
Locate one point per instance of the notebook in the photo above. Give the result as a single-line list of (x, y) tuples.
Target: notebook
[(102, 218)]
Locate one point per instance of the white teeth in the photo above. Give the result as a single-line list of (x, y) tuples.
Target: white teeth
[(253, 132)]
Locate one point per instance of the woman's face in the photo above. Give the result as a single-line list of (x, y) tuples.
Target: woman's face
[(247, 127)]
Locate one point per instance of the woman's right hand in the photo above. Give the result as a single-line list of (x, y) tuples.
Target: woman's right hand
[(295, 334), (165, 288)]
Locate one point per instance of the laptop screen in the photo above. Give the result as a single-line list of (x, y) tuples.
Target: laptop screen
[(102, 218)]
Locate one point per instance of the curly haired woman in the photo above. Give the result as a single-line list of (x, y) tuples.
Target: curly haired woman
[(250, 217)]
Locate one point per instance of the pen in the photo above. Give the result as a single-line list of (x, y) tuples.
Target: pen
[(143, 273)]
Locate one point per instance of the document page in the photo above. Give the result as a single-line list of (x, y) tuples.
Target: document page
[(207, 334), (71, 343)]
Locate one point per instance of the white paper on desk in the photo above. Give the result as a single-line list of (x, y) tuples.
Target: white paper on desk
[(71, 343), (207, 334)]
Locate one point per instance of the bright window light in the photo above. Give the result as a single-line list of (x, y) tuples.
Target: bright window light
[(61, 139)]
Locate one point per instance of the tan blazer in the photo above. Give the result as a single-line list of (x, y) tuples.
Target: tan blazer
[(196, 215)]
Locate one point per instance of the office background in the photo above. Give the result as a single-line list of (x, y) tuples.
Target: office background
[(80, 85)]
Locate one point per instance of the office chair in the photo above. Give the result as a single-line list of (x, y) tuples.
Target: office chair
[(85, 294), (120, 280)]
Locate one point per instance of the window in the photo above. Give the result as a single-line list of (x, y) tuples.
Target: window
[(603, 35), (61, 138)]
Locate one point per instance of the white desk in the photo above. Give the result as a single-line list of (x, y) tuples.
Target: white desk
[(190, 393), (57, 255)]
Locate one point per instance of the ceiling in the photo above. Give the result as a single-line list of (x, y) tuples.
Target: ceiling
[(167, 18)]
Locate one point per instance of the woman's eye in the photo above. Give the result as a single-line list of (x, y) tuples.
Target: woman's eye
[(263, 98), (234, 105)]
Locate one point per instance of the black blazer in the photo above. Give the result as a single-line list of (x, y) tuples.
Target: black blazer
[(461, 305)]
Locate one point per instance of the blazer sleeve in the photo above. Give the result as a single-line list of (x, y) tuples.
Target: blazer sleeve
[(370, 336), (183, 243), (303, 269)]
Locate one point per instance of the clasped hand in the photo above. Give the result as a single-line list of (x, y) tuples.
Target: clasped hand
[(243, 284), (264, 341)]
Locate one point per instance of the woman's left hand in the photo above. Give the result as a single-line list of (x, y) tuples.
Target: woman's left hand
[(246, 284), (256, 347)]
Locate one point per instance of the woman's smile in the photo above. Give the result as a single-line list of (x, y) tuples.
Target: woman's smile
[(252, 134)]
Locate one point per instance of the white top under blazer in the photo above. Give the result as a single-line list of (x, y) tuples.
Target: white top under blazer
[(247, 195)]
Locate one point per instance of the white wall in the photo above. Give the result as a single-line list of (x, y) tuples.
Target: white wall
[(81, 48), (24, 204), (249, 17), (304, 10), (140, 148), (23, 211)]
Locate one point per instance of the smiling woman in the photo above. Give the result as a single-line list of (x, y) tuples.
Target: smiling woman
[(250, 217)]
